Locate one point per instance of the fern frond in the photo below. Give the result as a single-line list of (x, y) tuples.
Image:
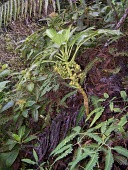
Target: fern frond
[(82, 153), (93, 161), (121, 150), (67, 139), (108, 160), (63, 155), (62, 149), (121, 160), (95, 137)]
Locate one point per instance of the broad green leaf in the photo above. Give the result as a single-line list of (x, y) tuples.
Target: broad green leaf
[(3, 84), (11, 143), (16, 137), (25, 113), (51, 33), (7, 106), (29, 161), (10, 157), (106, 96), (30, 87), (4, 73), (30, 138), (123, 95), (21, 132)]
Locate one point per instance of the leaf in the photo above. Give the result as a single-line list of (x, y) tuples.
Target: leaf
[(67, 152), (30, 138), (108, 160), (35, 115), (82, 153), (30, 87), (80, 114), (25, 113), (61, 150), (3, 84), (121, 160), (10, 157), (121, 150), (67, 139), (4, 73), (16, 137), (106, 96), (92, 163), (7, 106), (97, 116), (67, 96), (95, 137), (21, 132), (29, 161), (35, 155), (123, 95), (103, 127)]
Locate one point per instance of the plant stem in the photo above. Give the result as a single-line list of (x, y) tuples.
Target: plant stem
[(86, 103)]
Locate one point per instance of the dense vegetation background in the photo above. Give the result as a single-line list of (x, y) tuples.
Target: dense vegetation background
[(63, 85)]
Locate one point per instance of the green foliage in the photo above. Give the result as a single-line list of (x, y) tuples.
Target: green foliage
[(91, 143)]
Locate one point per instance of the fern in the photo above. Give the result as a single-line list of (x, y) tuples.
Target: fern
[(121, 160), (92, 163), (95, 137), (66, 140), (67, 152), (109, 160), (121, 150), (82, 153)]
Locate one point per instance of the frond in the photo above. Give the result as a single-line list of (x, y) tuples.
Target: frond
[(121, 150), (81, 154), (93, 161), (66, 140), (121, 160), (95, 137), (108, 160)]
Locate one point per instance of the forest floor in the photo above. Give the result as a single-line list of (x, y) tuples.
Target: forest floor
[(110, 75)]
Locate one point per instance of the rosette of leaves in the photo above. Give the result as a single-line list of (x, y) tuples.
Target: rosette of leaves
[(62, 53)]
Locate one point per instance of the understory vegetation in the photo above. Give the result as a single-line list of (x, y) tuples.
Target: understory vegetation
[(63, 85)]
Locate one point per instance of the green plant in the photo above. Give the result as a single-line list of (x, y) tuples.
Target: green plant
[(63, 51), (93, 144), (36, 162), (15, 144)]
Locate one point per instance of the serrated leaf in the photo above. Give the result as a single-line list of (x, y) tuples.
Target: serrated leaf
[(103, 127), (108, 160), (121, 150), (95, 137), (61, 150), (97, 116), (121, 160), (63, 155), (92, 163), (29, 161)]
